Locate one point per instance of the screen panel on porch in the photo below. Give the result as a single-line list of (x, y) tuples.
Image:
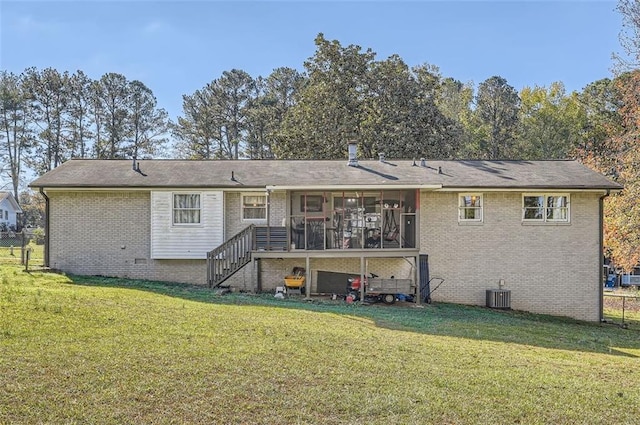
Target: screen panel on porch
[(353, 220)]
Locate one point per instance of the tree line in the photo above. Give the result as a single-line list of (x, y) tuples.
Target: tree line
[(343, 94), (386, 106), (47, 117)]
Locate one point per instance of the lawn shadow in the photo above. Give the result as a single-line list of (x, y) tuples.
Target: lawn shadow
[(443, 319)]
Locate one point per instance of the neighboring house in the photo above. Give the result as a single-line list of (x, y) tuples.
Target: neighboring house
[(531, 227), (9, 210)]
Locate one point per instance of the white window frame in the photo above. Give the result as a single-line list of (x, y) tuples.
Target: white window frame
[(173, 209), (546, 208), (462, 208), (243, 208)]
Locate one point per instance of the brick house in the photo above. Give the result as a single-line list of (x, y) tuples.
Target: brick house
[(533, 228)]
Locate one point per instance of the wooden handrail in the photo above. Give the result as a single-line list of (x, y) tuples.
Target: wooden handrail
[(228, 258)]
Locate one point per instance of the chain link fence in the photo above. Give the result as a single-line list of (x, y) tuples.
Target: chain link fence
[(622, 307), (16, 246)]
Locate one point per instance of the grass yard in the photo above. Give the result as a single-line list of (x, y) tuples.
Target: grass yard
[(622, 306), (103, 351), (13, 256)]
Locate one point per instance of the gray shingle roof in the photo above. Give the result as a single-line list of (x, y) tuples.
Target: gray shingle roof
[(9, 197), (83, 173)]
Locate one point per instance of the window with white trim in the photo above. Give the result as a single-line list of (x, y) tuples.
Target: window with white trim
[(470, 207), (553, 207), (254, 206), (186, 208)]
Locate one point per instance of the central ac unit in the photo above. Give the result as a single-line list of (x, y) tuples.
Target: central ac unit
[(498, 298)]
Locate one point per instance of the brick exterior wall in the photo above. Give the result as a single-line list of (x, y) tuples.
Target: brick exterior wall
[(549, 268), (278, 205), (233, 207), (108, 234), (232, 220)]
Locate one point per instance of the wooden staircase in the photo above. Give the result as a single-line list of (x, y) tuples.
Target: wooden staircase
[(225, 260), (228, 258)]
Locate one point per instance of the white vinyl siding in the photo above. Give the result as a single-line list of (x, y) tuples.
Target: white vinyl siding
[(190, 241)]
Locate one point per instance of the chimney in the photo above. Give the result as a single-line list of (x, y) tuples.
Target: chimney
[(134, 164), (353, 154), (423, 162), (381, 156)]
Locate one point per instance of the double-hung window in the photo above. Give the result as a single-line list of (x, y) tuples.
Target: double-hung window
[(470, 207), (254, 206), (186, 208), (545, 208)]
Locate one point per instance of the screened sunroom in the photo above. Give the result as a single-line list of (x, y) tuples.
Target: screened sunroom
[(343, 220)]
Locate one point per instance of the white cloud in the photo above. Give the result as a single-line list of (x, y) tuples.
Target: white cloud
[(153, 27), (28, 24)]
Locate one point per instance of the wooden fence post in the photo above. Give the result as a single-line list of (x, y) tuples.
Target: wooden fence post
[(26, 259)]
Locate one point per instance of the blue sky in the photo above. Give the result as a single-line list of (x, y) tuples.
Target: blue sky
[(177, 47)]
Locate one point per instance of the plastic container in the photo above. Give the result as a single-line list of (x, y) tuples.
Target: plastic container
[(296, 279)]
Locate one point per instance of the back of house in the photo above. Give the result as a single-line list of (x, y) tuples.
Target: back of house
[(529, 230)]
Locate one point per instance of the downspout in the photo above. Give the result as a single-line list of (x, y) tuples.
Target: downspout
[(268, 201), (601, 254), (46, 227), (417, 235)]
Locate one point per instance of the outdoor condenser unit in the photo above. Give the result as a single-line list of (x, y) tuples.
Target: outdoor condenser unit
[(499, 298)]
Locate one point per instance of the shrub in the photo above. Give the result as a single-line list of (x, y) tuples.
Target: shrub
[(38, 235)]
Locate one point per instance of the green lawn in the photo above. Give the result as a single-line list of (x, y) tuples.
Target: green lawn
[(623, 311), (97, 350), (13, 256)]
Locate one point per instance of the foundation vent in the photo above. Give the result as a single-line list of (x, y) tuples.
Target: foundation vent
[(499, 298)]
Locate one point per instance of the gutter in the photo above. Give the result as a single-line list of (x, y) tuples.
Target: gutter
[(601, 254), (46, 227), (524, 189), (355, 186)]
